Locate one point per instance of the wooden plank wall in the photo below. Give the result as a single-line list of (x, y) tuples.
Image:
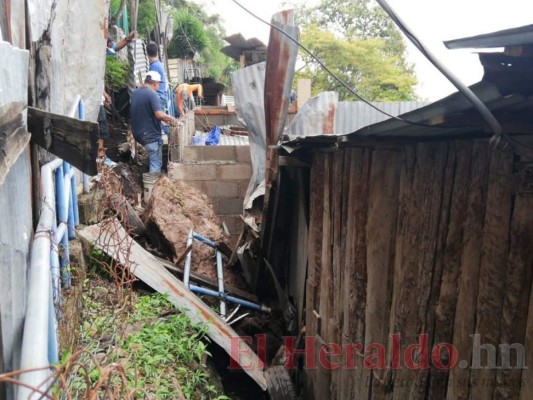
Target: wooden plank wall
[(430, 239)]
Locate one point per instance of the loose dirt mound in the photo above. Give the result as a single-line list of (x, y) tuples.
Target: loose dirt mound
[(174, 209)]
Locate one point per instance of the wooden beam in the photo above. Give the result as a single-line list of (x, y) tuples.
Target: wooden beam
[(70, 139), (113, 240)]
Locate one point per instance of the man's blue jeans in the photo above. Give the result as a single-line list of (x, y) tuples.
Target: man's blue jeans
[(155, 155)]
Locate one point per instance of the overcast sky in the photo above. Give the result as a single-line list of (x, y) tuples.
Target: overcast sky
[(432, 21)]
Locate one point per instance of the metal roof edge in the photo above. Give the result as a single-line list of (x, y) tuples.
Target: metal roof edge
[(508, 37)]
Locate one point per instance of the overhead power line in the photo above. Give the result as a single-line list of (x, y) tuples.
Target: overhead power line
[(334, 76)]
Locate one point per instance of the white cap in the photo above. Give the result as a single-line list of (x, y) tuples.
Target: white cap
[(152, 76)]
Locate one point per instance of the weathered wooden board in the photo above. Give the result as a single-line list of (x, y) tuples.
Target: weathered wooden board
[(354, 382), (415, 261), (468, 279), (315, 255), (325, 308), (68, 138), (516, 301), (13, 136), (443, 300), (493, 268), (113, 239), (381, 241)]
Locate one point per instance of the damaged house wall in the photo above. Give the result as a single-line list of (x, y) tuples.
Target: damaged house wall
[(77, 54), (15, 203)]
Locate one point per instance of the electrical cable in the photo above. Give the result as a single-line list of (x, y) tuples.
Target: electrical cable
[(339, 80), (488, 116)]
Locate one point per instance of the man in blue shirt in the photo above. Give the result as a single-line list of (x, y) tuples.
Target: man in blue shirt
[(157, 66), (146, 118)]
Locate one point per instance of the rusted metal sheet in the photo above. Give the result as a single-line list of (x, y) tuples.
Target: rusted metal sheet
[(253, 50), (248, 85), (316, 117), (113, 239), (138, 63), (281, 59)]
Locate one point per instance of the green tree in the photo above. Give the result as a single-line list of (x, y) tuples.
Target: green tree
[(356, 28), (197, 31), (361, 63), (146, 17), (189, 36)]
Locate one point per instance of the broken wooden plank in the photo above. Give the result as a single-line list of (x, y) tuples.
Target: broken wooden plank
[(114, 240), (68, 138), (13, 136)]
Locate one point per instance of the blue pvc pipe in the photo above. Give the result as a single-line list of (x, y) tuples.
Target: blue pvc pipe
[(53, 354), (62, 211), (231, 299), (71, 222), (81, 110), (204, 240), (74, 199)]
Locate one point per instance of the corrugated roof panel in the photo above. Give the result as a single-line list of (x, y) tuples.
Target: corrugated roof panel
[(316, 117), (354, 115), (324, 115), (249, 88)]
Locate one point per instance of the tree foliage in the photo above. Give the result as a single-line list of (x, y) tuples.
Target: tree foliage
[(146, 17), (189, 36), (357, 41), (197, 31), (361, 63)]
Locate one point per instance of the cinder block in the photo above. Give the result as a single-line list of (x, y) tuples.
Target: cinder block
[(233, 222), (228, 206), (243, 187), (243, 153), (192, 172), (221, 189), (238, 171), (209, 153), (89, 206)]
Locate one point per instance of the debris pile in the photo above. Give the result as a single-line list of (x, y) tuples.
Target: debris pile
[(173, 210)]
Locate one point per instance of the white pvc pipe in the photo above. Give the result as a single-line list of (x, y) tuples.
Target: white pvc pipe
[(35, 339)]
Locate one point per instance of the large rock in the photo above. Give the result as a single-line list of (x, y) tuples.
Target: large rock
[(173, 210)]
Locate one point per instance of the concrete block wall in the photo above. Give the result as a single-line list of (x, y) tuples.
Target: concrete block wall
[(223, 173)]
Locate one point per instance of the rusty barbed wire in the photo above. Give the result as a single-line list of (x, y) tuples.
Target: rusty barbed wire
[(92, 380)]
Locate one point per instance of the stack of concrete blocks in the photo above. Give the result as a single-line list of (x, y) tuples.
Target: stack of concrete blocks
[(223, 173)]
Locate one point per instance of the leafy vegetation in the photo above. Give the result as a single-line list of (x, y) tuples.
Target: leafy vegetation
[(189, 36), (143, 346), (116, 73), (361, 63), (360, 44), (146, 18)]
